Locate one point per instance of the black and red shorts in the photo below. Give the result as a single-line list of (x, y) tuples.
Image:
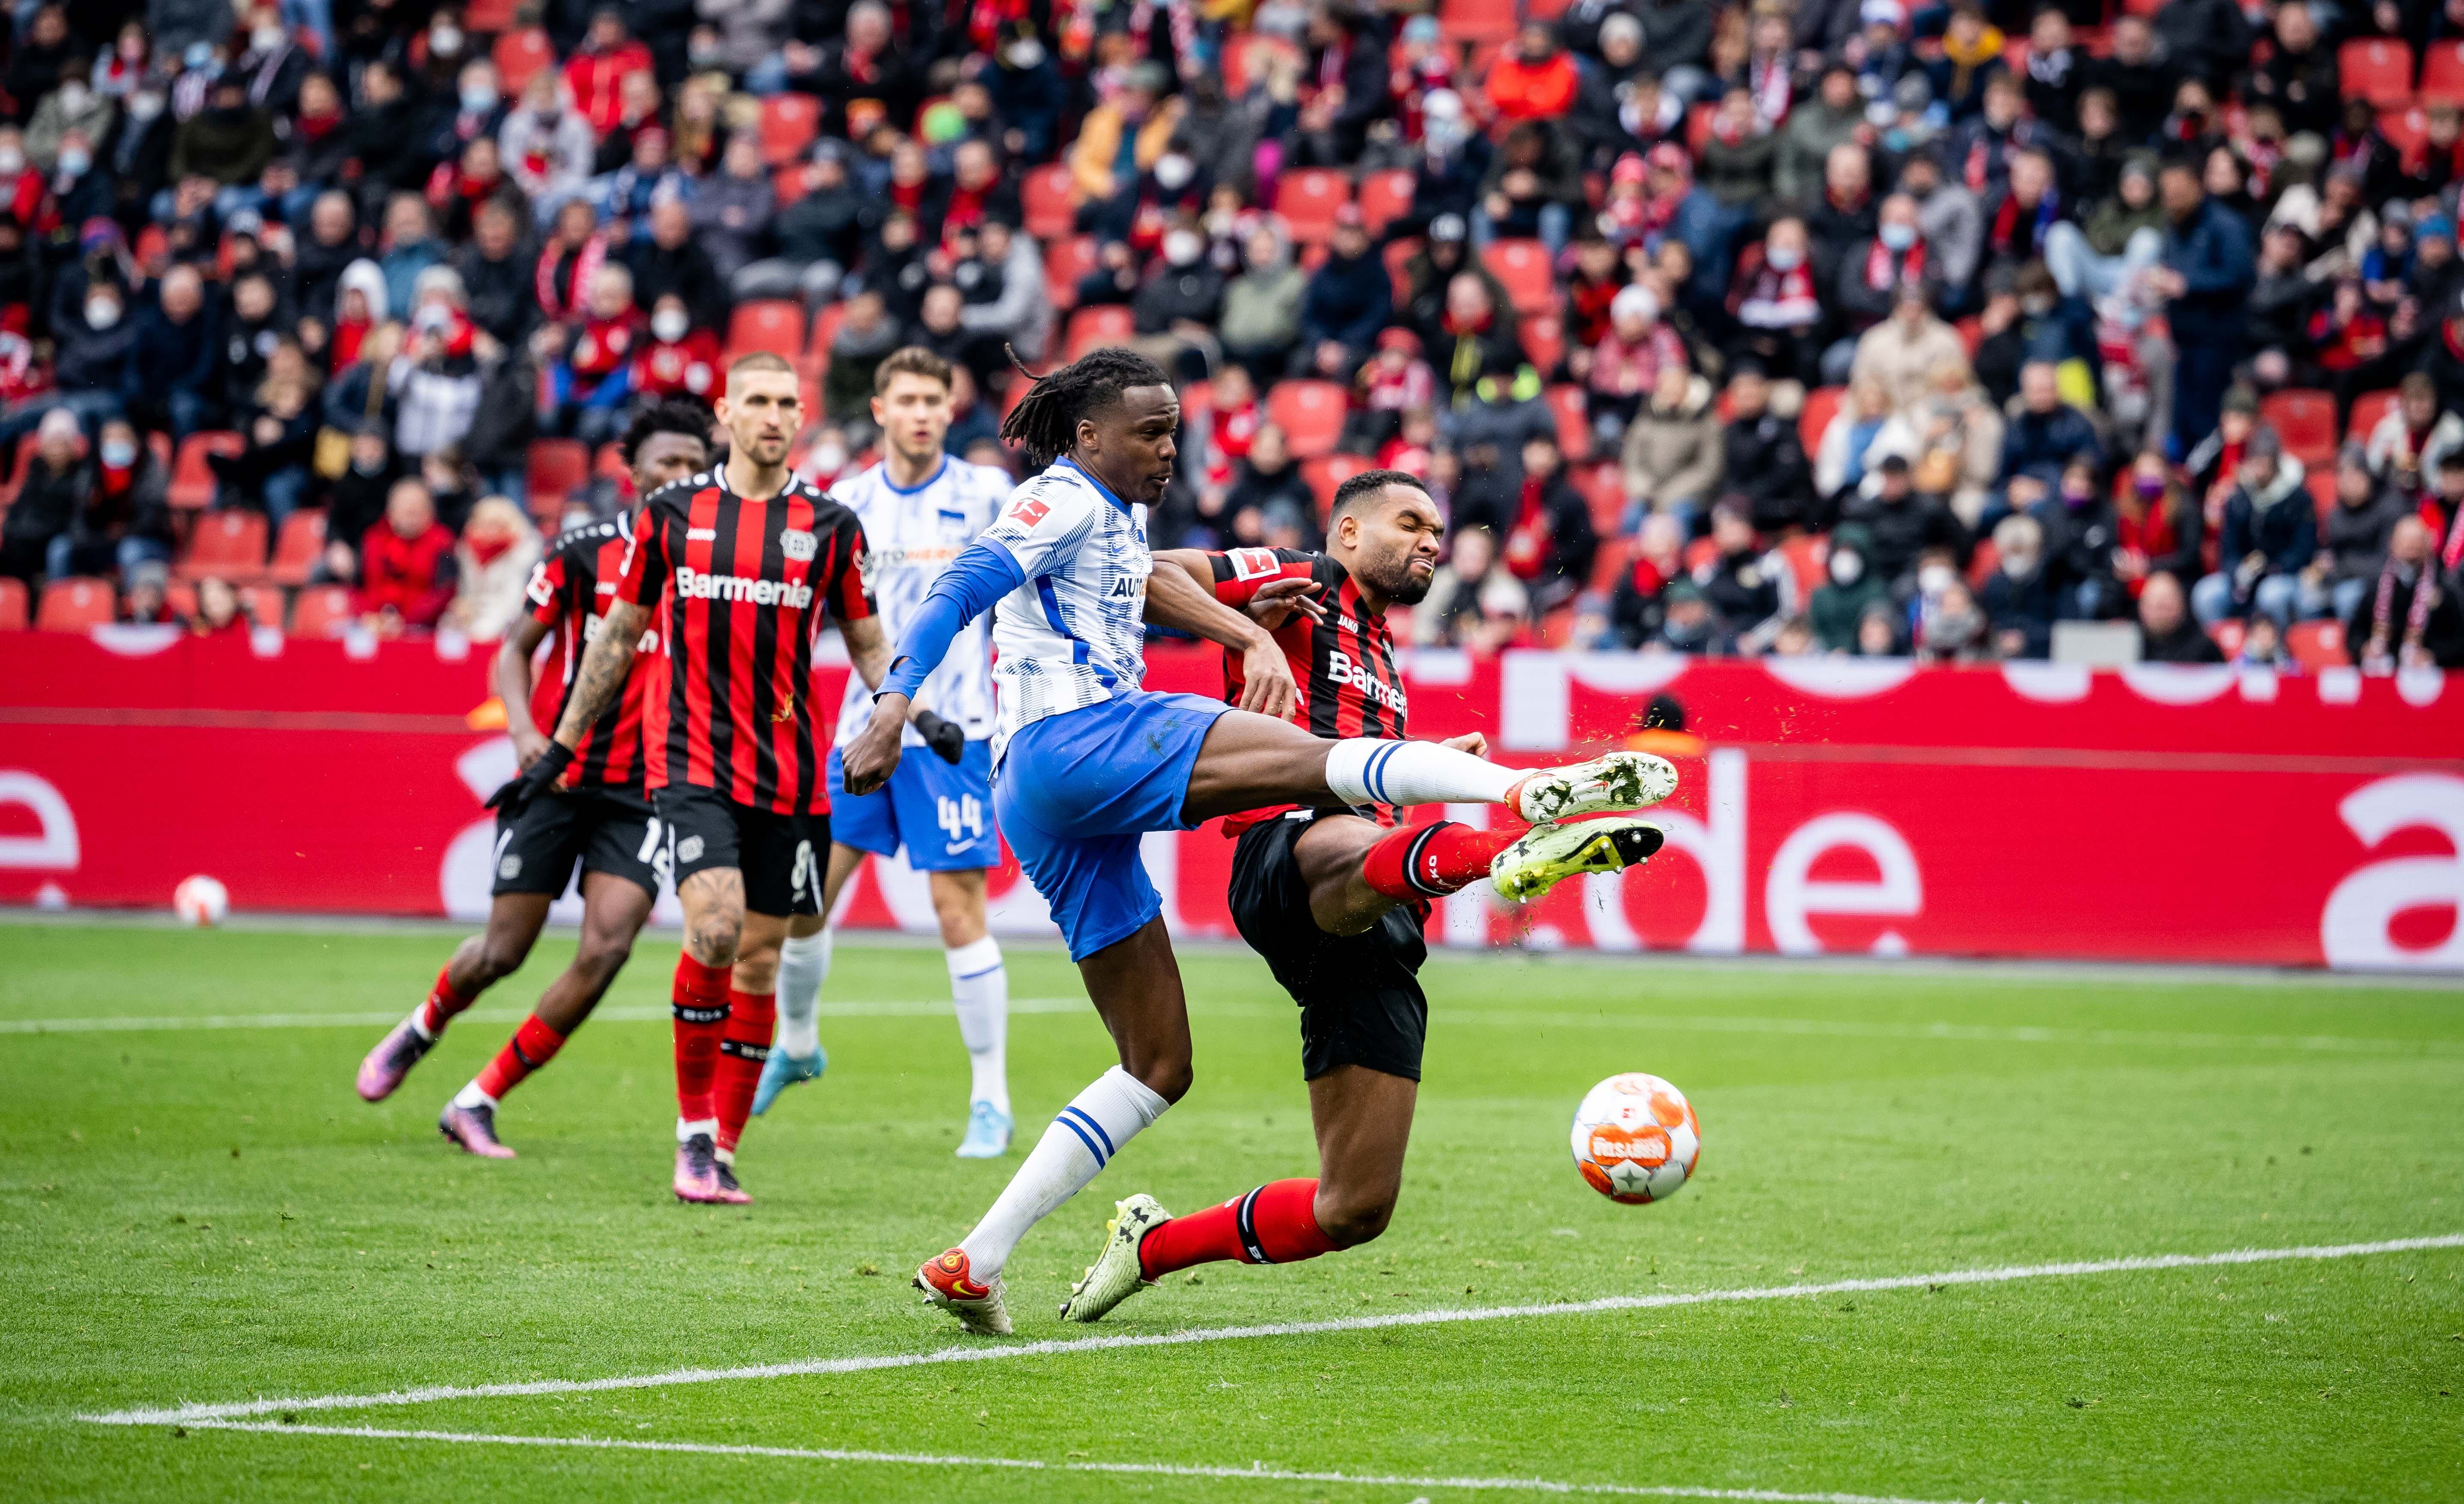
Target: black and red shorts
[(780, 855)]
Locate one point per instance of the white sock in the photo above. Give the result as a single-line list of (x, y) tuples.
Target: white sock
[(980, 991), (1082, 1141), (804, 965), (472, 1097), (1369, 770), (687, 1127)]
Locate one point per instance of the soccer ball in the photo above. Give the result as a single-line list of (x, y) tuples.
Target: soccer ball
[(201, 900), (1636, 1138)]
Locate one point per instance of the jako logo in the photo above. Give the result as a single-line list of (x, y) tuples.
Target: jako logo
[(692, 585)]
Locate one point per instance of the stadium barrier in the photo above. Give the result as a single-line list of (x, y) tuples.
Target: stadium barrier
[(2153, 813)]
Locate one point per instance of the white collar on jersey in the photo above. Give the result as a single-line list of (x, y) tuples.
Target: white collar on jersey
[(1101, 489)]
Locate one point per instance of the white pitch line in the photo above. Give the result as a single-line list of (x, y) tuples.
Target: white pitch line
[(1258, 1473), (190, 1414), (612, 1015)]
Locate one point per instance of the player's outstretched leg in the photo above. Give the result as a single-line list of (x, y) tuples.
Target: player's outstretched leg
[(1136, 988), (478, 963), (613, 912)]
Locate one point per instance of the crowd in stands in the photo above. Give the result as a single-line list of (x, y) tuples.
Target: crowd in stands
[(1873, 327)]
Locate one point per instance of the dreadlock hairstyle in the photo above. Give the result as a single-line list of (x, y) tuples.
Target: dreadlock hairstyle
[(676, 415), (1045, 420)]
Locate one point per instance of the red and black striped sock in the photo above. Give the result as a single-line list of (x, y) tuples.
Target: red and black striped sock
[(1275, 1223), (442, 1004), (532, 1045), (699, 1000), (1430, 861), (751, 1018)]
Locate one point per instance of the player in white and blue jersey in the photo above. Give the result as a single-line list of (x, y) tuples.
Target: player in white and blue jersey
[(919, 507), (1085, 762)]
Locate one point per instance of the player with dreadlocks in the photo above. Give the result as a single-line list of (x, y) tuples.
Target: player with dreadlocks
[(1087, 762), (601, 821)]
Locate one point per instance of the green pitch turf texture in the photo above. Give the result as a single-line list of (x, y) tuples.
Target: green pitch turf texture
[(209, 1214)]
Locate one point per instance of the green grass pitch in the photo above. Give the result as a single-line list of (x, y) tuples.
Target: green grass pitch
[(196, 1215)]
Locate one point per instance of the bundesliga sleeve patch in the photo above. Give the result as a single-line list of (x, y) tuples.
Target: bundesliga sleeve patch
[(1254, 564), (1029, 511)]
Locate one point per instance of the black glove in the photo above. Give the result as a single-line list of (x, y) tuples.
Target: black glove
[(947, 739), (532, 780)]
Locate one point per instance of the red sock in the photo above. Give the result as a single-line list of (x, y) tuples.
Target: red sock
[(700, 1004), (533, 1046), (1272, 1224), (442, 1001), (751, 1017), (1432, 860)]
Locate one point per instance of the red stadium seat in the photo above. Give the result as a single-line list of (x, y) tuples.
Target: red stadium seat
[(1603, 486), (2367, 409), (180, 598), (2408, 131), (1328, 472), (775, 324), (2376, 69), (322, 611), (228, 544), (1385, 197), (1475, 21), (12, 604), (261, 604), (557, 468), (788, 184), (1544, 342), (520, 55), (2442, 74), (2318, 645), (1574, 420), (488, 17), (17, 472), (1307, 201), (789, 122), (1806, 557), (77, 604), (2227, 635), (1523, 266), (2304, 422), (2321, 483), (192, 480), (1043, 198), (1064, 261), (1397, 256), (297, 547), (1310, 412), (1821, 405), (816, 362), (1094, 328)]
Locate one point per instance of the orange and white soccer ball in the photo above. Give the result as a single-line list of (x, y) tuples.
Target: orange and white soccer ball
[(201, 900), (1636, 1138)]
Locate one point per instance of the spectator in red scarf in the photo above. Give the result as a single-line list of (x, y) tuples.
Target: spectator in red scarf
[(974, 192), (571, 257), (1536, 82), (597, 71), (1550, 540), (1776, 304), (457, 188), (1873, 273), (2157, 526), (1624, 367), (1598, 278), (594, 382), (678, 360), (406, 572), (2409, 618)]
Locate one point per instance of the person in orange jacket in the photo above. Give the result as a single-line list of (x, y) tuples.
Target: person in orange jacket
[(1536, 81)]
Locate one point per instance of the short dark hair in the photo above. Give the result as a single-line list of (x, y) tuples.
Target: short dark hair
[(676, 415), (1369, 483), (911, 360)]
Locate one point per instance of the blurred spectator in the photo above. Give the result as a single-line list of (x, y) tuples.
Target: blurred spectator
[(173, 380), (866, 337), (1119, 141), (1763, 458), (1951, 627), (2407, 617), (1549, 540), (35, 529), (1266, 492), (1901, 524), (1674, 454), (595, 380), (2206, 273), (1689, 624), (2018, 597), (406, 565), (547, 144), (2120, 237), (2354, 532), (1776, 302), (434, 382), (678, 358), (1534, 81), (1859, 432), (122, 520), (1262, 306), (596, 74), (1833, 117), (730, 209), (1743, 585), (1903, 351), (1849, 590), (2416, 433), (492, 564), (2045, 433), (1623, 367), (1349, 299), (2270, 537), (1475, 335), (2165, 630), (1474, 601), (1532, 188), (672, 260), (278, 419)]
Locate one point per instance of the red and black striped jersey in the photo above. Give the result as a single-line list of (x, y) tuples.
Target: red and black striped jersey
[(570, 591), (741, 589), (1344, 665)]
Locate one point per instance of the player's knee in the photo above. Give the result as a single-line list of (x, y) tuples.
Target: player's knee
[(501, 956), (1351, 1221), (602, 956), (1168, 1076), (714, 940)]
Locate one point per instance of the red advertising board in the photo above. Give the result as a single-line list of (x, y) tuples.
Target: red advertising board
[(1843, 806)]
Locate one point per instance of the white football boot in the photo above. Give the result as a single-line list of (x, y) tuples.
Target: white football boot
[(1612, 781)]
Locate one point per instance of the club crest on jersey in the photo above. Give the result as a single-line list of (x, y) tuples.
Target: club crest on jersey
[(1029, 510), (797, 543)]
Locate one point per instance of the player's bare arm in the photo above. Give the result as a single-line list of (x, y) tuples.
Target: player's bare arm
[(1177, 600), (510, 674), (605, 665)]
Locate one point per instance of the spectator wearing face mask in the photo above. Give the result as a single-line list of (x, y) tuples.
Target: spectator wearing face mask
[(122, 521), (1777, 305), (73, 107), (2018, 597), (491, 566), (1849, 590), (1181, 298), (679, 359), (38, 522)]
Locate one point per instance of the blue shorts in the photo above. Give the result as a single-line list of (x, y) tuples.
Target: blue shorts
[(1075, 792), (942, 813)]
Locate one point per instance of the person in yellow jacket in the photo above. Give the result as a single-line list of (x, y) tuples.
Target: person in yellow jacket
[(1120, 141)]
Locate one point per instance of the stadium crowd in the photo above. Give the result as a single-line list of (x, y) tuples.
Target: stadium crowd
[(1848, 326)]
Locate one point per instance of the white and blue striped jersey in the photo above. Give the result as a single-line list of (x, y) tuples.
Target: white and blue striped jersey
[(909, 538), (1073, 633)]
